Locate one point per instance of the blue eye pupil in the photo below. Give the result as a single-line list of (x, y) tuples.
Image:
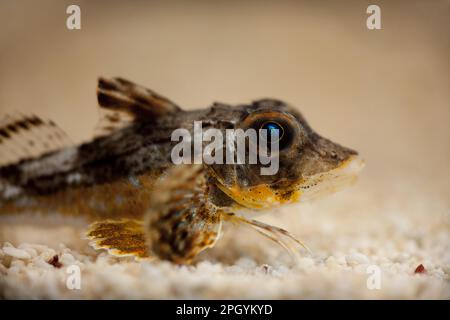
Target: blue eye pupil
[(270, 126)]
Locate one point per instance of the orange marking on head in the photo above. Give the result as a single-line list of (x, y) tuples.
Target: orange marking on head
[(261, 196)]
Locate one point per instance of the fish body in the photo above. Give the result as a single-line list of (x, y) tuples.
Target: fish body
[(139, 202)]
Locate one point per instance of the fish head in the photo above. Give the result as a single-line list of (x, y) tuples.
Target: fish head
[(308, 165)]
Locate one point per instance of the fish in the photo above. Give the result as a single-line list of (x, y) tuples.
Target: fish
[(137, 201)]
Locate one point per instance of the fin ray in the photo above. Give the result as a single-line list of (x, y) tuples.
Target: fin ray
[(181, 221), (24, 137), (280, 236), (119, 237), (122, 102)]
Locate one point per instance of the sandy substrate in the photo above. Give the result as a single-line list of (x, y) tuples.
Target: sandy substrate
[(346, 251)]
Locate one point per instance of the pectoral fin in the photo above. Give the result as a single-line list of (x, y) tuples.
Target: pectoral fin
[(179, 224), (120, 237), (181, 221)]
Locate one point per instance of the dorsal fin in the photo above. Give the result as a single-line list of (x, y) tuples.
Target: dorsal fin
[(123, 102), (110, 120), (28, 136)]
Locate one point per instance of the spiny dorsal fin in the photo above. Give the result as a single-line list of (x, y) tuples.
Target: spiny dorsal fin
[(111, 120), (126, 102), (123, 95), (29, 136)]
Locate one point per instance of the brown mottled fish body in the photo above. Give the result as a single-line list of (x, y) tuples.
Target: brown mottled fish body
[(140, 203)]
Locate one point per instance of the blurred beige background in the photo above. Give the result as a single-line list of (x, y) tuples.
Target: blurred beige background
[(384, 92)]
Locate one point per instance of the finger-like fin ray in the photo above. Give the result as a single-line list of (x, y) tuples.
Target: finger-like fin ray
[(276, 234)]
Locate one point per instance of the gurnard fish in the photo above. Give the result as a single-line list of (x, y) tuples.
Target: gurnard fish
[(136, 200)]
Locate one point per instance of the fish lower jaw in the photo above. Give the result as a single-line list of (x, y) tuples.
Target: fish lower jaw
[(332, 181)]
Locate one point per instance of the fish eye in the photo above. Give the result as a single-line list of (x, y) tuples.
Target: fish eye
[(286, 124)]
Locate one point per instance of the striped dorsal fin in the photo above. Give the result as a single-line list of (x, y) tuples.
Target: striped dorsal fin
[(123, 102), (23, 137)]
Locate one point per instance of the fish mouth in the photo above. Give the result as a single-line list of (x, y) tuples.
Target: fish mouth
[(265, 196), (332, 181)]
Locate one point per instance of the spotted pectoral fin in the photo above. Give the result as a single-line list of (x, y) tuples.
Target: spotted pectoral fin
[(181, 221), (123, 102), (30, 136), (120, 237)]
